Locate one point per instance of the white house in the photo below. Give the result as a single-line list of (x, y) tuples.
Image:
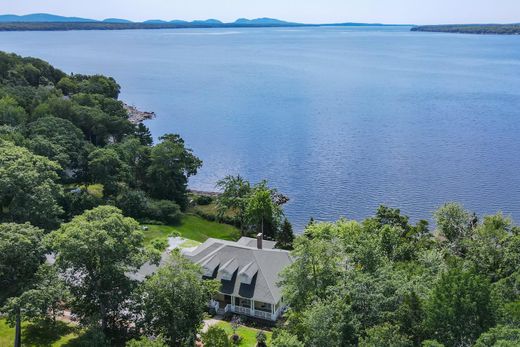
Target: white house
[(248, 271)]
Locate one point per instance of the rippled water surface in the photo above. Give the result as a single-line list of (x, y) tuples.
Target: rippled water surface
[(339, 119)]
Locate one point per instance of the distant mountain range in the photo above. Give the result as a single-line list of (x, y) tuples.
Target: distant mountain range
[(42, 18), (50, 18)]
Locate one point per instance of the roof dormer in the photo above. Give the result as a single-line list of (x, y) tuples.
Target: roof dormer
[(227, 270), (248, 272), (210, 265)]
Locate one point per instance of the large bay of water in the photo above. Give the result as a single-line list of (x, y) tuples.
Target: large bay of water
[(339, 119)]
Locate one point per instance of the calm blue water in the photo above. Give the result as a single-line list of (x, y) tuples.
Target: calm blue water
[(339, 119)]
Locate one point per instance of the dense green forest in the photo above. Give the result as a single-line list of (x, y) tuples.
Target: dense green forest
[(387, 282), (500, 29), (62, 137), (76, 176), (61, 26)]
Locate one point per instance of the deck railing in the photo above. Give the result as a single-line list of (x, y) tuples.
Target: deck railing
[(248, 312)]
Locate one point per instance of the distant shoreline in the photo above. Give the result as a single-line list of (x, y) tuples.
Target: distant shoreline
[(70, 26), (480, 29)]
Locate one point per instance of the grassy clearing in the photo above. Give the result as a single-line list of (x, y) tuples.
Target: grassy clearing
[(95, 190), (39, 334), (189, 244), (247, 334), (192, 228)]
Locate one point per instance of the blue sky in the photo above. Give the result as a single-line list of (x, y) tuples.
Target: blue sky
[(309, 11)]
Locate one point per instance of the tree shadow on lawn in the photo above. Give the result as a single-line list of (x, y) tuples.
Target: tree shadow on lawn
[(46, 333)]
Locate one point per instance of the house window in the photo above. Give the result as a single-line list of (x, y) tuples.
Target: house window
[(244, 302), (263, 306)]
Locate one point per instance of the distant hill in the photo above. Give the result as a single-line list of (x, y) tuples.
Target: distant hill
[(262, 21), (496, 29), (208, 22), (155, 21), (116, 20), (42, 17)]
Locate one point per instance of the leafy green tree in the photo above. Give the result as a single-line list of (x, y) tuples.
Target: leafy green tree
[(98, 84), (98, 126), (174, 300), (506, 293), (234, 198), (171, 166), (11, 113), (285, 237), (453, 224), (137, 159), (410, 317), (68, 86), (391, 217), (165, 211), (385, 335), (64, 138), (328, 323), (143, 134), (283, 338), (215, 337), (134, 203), (459, 308), (28, 187), (107, 168), (375, 296), (486, 247), (44, 302), (79, 200), (317, 266), (95, 252), (500, 336), (21, 254), (262, 212), (12, 134)]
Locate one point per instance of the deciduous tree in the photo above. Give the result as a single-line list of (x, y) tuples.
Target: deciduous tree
[(95, 252), (459, 308), (174, 300), (170, 167), (21, 254), (29, 191)]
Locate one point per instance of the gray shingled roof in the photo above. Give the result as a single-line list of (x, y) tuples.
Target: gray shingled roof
[(251, 242), (267, 262)]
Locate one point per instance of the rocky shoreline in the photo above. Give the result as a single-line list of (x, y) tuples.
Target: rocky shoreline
[(136, 116)]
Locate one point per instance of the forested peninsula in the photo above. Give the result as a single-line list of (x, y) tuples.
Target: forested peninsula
[(65, 26), (82, 184), (491, 29)]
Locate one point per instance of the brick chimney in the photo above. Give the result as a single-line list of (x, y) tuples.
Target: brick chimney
[(259, 238)]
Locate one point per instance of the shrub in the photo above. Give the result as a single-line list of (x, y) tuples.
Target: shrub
[(164, 210), (285, 339), (133, 203), (203, 200), (215, 337), (261, 339), (79, 200)]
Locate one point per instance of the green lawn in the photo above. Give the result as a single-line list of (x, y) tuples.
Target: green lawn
[(192, 228), (39, 335), (248, 335)]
